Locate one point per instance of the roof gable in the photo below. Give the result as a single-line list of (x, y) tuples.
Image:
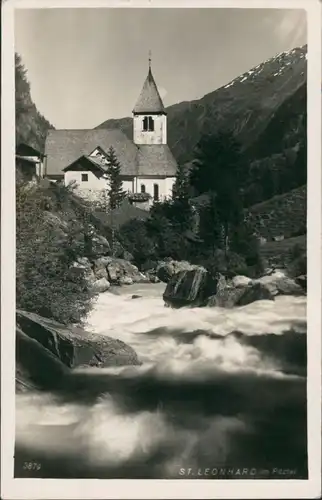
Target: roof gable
[(85, 163), (149, 100)]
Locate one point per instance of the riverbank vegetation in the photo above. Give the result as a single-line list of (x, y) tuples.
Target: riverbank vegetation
[(204, 221)]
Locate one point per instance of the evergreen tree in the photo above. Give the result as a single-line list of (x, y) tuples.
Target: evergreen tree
[(181, 208), (181, 185), (217, 170), (115, 192)]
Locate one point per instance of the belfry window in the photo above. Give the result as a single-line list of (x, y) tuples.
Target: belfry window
[(148, 124)]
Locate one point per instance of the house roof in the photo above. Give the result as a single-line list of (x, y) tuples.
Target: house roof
[(149, 100), (156, 159), (63, 147), (25, 150), (85, 162), (27, 159)]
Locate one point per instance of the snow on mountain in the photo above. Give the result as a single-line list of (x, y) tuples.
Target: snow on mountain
[(277, 65)]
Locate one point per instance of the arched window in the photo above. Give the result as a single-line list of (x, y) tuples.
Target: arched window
[(145, 124), (148, 124), (156, 192), (151, 124), (142, 188)]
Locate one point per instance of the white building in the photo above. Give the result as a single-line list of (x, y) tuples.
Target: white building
[(147, 164)]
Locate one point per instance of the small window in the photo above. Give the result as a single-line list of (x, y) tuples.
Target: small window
[(142, 188), (156, 192), (151, 124), (145, 124), (84, 177), (148, 124)]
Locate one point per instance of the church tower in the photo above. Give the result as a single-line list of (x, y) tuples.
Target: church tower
[(149, 115)]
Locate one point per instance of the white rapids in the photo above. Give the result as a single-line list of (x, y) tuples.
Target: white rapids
[(203, 397)]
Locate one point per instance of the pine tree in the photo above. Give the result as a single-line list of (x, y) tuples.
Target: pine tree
[(217, 171), (115, 191), (180, 188), (181, 208)]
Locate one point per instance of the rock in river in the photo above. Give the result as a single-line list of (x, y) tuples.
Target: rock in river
[(44, 344), (190, 287)]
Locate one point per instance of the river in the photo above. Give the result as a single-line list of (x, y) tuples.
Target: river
[(220, 394)]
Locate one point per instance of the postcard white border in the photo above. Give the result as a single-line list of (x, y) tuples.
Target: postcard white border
[(160, 489)]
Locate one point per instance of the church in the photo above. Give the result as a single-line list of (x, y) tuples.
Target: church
[(147, 164)]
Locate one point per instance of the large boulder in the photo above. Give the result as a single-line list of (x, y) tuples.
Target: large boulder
[(240, 281), (100, 273), (167, 269), (102, 262), (228, 295), (75, 347), (253, 292), (190, 287), (126, 280), (36, 367), (101, 285), (100, 245), (120, 270), (278, 283), (82, 267)]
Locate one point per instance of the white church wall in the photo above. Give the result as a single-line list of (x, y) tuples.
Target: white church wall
[(158, 136), (164, 186), (92, 181), (169, 185), (128, 185), (93, 188)]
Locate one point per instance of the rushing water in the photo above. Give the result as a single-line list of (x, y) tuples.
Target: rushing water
[(220, 394)]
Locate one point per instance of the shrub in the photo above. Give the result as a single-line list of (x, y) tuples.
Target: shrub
[(134, 237), (46, 282), (229, 265)]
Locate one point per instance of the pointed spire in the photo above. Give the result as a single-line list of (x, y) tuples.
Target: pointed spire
[(149, 100)]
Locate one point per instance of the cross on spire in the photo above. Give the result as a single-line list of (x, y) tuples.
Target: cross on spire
[(150, 54)]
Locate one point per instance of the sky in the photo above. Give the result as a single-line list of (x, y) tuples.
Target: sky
[(88, 65)]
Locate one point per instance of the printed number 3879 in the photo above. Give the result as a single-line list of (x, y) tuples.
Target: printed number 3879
[(31, 466)]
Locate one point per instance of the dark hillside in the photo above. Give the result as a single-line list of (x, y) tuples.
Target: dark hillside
[(283, 215), (31, 126)]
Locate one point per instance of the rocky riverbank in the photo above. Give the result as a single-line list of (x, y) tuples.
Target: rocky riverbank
[(47, 351), (189, 285)]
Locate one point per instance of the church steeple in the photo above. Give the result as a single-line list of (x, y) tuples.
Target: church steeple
[(149, 114), (149, 100)]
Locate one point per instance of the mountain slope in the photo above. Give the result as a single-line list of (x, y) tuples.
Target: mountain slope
[(247, 105), (31, 126)]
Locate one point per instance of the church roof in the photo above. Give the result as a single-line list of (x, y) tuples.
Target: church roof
[(149, 100), (156, 159), (63, 147)]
